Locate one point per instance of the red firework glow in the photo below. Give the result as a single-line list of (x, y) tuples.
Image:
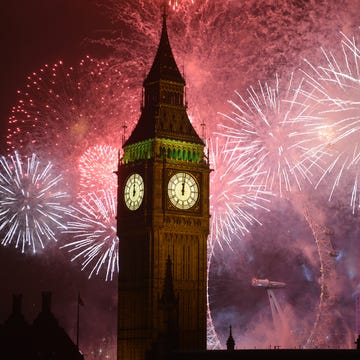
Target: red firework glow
[(220, 45), (63, 110), (97, 168)]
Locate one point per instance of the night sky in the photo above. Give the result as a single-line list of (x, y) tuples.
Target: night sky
[(221, 46), (34, 33), (39, 32)]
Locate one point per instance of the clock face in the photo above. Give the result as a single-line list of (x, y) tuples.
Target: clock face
[(134, 191), (183, 190)]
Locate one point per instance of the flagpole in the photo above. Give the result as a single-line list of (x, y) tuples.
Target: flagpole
[(78, 321)]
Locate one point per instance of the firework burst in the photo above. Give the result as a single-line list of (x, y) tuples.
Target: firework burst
[(93, 227), (142, 20), (334, 88), (212, 40), (235, 195), (268, 131), (97, 168), (32, 204), (63, 110)]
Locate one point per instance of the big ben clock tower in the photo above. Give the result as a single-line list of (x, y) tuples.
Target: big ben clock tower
[(162, 222)]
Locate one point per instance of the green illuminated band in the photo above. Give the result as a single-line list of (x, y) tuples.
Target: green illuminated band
[(164, 148)]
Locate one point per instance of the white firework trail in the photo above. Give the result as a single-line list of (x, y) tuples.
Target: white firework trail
[(32, 202), (335, 118), (267, 129), (93, 227), (235, 196)]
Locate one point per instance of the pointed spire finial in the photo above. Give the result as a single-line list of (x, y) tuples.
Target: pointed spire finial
[(164, 9)]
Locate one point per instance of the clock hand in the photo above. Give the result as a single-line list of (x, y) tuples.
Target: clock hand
[(183, 188), (134, 191)]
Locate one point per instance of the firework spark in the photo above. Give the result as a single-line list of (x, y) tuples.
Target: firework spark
[(32, 204), (235, 195), (268, 131), (235, 203), (97, 168), (64, 110), (212, 40), (92, 224), (176, 4), (334, 88)]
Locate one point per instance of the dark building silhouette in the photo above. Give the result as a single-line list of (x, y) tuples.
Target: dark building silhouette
[(44, 339), (15, 341), (163, 225)]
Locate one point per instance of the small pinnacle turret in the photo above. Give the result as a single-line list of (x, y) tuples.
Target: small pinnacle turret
[(230, 342)]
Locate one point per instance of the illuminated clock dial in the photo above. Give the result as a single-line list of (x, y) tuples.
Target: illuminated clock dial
[(183, 190), (134, 191)]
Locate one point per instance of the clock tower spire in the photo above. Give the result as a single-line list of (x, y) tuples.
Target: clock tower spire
[(164, 93), (162, 221)]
